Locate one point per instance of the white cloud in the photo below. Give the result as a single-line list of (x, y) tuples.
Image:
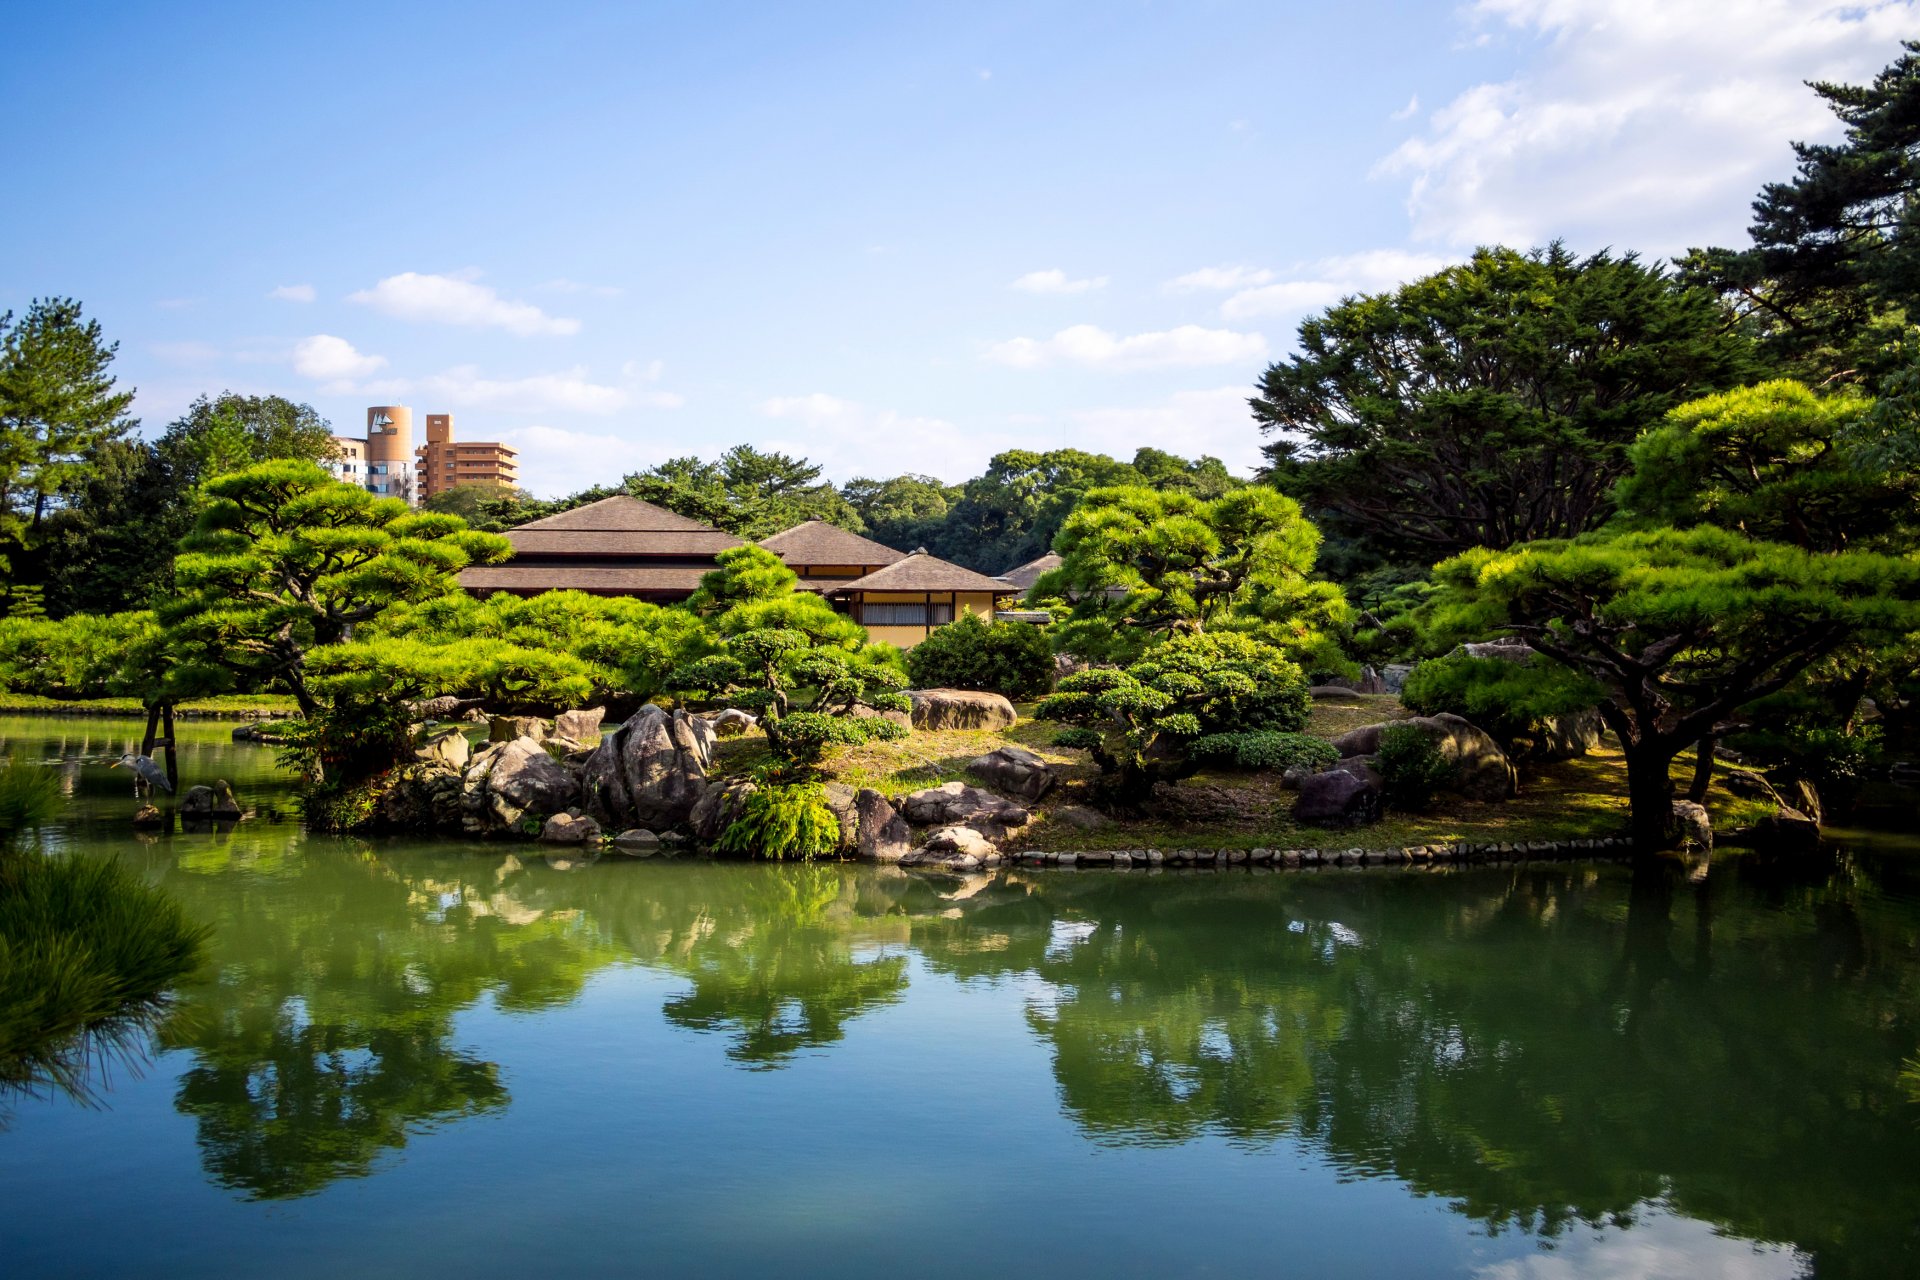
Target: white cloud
[(458, 300), (569, 391), (1321, 284), (1620, 131), (1659, 1243), (1189, 423), (1218, 279), (1409, 111), (1055, 281), (326, 358), (849, 438), (1088, 345), (293, 293)]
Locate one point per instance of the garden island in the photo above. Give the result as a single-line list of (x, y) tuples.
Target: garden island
[(1507, 794)]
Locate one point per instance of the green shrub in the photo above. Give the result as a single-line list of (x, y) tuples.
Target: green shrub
[(1836, 762), (28, 797), (1011, 658), (1264, 749), (783, 821), (800, 737), (1507, 699), (1411, 767)]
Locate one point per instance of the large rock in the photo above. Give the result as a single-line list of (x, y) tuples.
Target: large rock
[(649, 772), (570, 828), (957, 802), (637, 843), (840, 799), (582, 727), (1787, 829), (1481, 770), (1346, 795), (522, 779), (733, 722), (507, 728), (959, 848), (881, 835), (960, 709), (442, 747), (1016, 771), (216, 801), (1563, 737), (717, 808), (1693, 824)]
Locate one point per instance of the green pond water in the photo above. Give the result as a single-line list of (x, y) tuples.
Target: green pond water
[(411, 1057)]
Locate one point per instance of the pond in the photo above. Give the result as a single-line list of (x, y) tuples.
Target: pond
[(415, 1057)]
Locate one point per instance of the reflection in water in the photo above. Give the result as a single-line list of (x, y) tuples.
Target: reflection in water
[(1646, 1074)]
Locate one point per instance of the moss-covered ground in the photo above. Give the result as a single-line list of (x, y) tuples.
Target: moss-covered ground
[(1220, 809)]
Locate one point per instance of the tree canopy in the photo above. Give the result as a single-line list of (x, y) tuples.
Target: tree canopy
[(1488, 404)]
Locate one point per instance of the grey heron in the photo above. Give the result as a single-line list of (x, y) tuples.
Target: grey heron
[(146, 769)]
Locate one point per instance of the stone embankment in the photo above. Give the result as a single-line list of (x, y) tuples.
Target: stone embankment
[(1412, 856)]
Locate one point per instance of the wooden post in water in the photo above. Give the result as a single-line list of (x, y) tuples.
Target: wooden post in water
[(160, 718)]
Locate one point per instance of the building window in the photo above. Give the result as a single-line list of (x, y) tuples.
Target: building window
[(906, 615)]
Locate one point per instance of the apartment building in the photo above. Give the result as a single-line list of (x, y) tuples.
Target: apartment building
[(385, 462), (445, 463)]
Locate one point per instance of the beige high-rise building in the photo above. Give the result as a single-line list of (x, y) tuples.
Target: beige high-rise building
[(446, 463), (390, 451)]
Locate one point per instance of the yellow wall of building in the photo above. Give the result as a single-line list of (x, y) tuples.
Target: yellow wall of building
[(980, 602)]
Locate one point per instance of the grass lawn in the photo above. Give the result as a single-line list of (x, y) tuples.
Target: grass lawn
[(229, 704), (1220, 809)]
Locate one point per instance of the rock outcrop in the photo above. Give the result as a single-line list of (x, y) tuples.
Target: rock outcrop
[(511, 781), (956, 802), (649, 772), (215, 802), (507, 728), (1016, 771), (733, 722), (960, 709), (1481, 770), (717, 808), (880, 834), (570, 828), (958, 848), (442, 746), (581, 726), (1344, 795), (637, 843), (1695, 827)]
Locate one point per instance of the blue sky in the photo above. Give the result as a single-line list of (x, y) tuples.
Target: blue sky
[(890, 237)]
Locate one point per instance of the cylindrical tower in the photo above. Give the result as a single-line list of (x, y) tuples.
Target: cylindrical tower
[(390, 450)]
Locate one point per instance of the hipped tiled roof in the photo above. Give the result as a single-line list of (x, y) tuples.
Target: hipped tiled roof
[(1024, 576), (817, 542), (922, 572), (619, 526), (620, 512), (597, 579)]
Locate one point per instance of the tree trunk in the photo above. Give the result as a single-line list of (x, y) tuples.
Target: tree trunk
[(1650, 798), (1702, 770)]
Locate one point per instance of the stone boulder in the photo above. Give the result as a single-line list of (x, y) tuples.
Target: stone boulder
[(582, 727), (1332, 691), (215, 802), (733, 722), (1016, 771), (148, 817), (958, 848), (957, 802), (1564, 737), (717, 808), (840, 799), (649, 772), (1081, 818), (570, 828), (880, 834), (1693, 824), (960, 709), (1345, 795), (442, 747), (519, 778), (1787, 829), (508, 728), (1481, 770), (636, 843)]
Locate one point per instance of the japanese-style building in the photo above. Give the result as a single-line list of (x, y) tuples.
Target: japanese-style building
[(621, 546), (618, 546)]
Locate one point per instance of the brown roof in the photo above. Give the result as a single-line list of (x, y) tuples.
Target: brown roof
[(637, 543), (922, 572), (817, 542), (1029, 573), (623, 513), (621, 580)]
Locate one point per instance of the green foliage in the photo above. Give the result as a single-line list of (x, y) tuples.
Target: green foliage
[(58, 410), (906, 511), (1680, 628), (1011, 658), (28, 798), (800, 739), (1264, 749), (1836, 759), (1509, 700), (1139, 565), (1775, 462), (1834, 255), (622, 647), (1488, 404), (285, 559), (88, 952), (783, 820), (81, 656), (746, 574), (1411, 767), (747, 492), (1138, 724)]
